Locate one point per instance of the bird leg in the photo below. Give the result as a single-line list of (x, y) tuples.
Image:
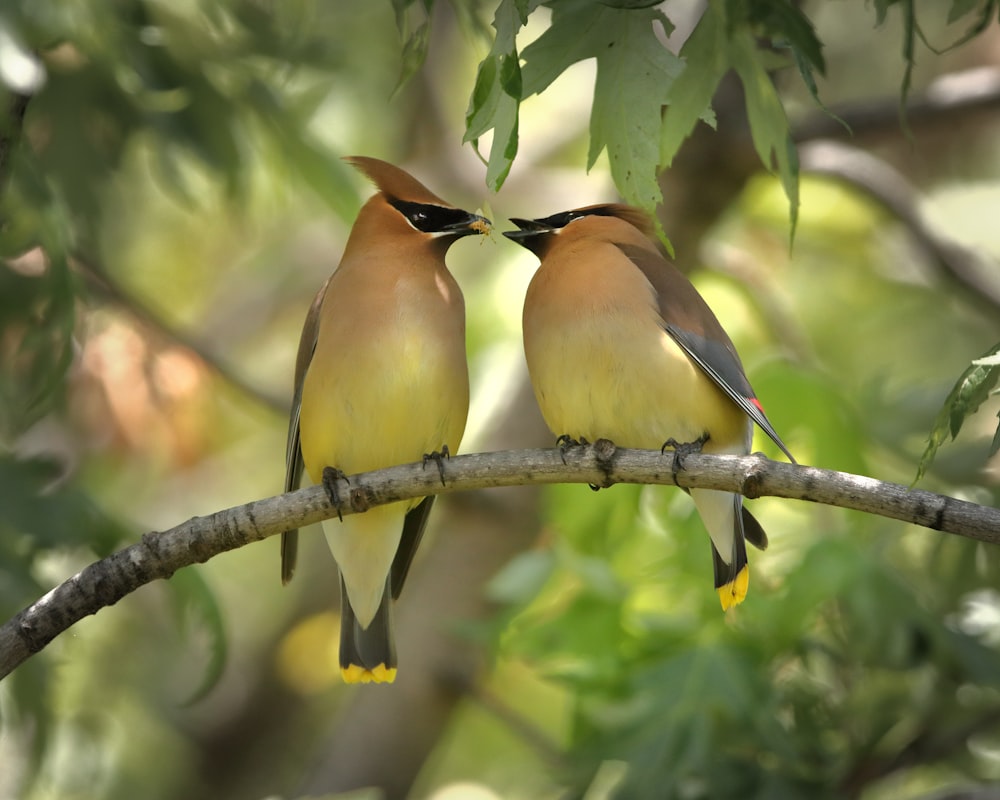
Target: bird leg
[(330, 477), (681, 451), (438, 457)]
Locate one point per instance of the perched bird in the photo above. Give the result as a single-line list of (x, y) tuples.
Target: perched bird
[(381, 379), (621, 346)]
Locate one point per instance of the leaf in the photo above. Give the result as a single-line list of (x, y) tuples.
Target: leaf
[(972, 388), (784, 24), (36, 323), (634, 75), (415, 43), (194, 602), (38, 503), (414, 54), (769, 127), (690, 97), (325, 174), (497, 95), (959, 8), (522, 578)]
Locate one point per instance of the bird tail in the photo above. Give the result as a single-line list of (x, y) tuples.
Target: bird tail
[(732, 579), (729, 526), (367, 655)]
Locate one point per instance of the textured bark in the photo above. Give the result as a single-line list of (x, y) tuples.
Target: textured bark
[(159, 554)]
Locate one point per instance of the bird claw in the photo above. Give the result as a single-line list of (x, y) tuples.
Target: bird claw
[(681, 451), (330, 477), (438, 457), (565, 443)]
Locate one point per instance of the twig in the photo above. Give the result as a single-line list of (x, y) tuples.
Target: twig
[(160, 554)]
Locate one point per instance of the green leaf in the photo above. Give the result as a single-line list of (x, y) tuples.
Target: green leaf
[(769, 127), (634, 75), (195, 604), (959, 8), (786, 25), (882, 8), (497, 94), (962, 7), (415, 43), (51, 513), (324, 173), (970, 391), (414, 54), (690, 97), (522, 578), (37, 318)]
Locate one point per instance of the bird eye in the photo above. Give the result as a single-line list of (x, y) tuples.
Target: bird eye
[(418, 216)]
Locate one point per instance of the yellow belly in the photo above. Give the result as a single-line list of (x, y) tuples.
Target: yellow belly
[(621, 377), (374, 404)]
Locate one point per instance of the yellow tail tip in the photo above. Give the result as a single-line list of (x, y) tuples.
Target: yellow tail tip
[(734, 592), (355, 673)]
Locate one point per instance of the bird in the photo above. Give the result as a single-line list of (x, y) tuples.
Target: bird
[(620, 345), (381, 378)]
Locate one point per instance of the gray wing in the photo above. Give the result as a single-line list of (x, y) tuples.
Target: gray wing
[(294, 466), (690, 322)]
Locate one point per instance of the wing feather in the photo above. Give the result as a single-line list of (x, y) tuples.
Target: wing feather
[(690, 322), (294, 465)]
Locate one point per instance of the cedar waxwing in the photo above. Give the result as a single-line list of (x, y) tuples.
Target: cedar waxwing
[(621, 346), (381, 379)]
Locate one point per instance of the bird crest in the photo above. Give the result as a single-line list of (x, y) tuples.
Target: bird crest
[(394, 182)]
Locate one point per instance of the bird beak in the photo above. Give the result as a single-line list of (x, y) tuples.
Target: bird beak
[(528, 228), (471, 223)]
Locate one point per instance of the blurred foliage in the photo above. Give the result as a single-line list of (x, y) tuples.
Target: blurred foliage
[(972, 389), (183, 156)]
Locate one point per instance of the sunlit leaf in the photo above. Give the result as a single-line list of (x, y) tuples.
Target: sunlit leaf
[(690, 97), (634, 75), (319, 169)]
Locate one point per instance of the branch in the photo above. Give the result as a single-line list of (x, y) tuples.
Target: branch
[(948, 99), (890, 188), (159, 554)]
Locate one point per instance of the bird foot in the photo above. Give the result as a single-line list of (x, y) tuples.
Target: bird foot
[(330, 477), (438, 457), (681, 451), (565, 443)]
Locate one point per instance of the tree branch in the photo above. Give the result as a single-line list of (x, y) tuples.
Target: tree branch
[(867, 173), (160, 554)]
